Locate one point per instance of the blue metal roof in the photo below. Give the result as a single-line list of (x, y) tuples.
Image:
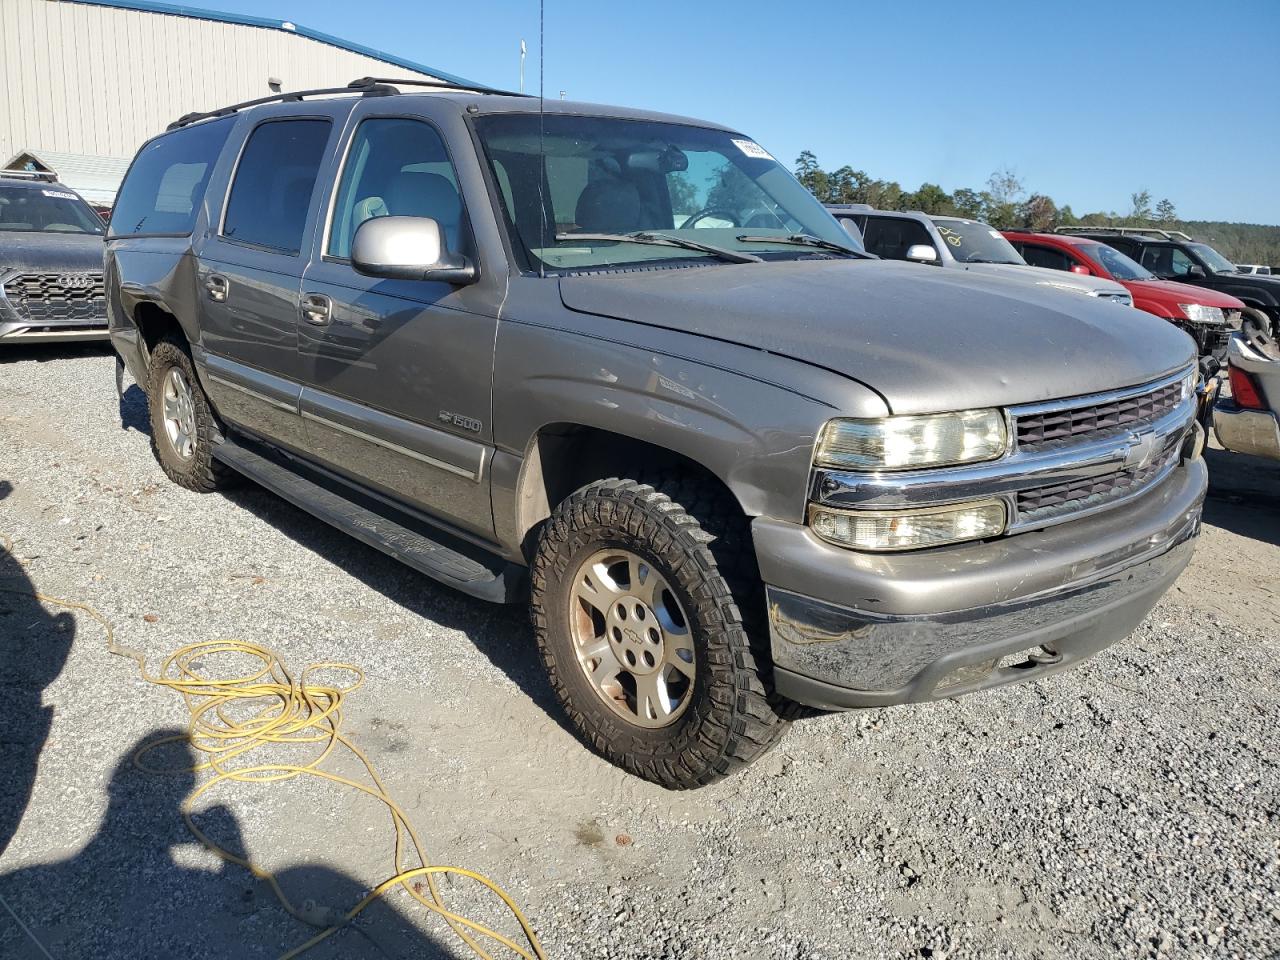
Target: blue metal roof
[(286, 26)]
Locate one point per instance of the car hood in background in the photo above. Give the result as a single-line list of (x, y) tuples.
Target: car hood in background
[(1183, 293), (926, 339), (50, 252), (1056, 279)]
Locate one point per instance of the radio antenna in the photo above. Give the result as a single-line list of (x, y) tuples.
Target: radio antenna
[(542, 149)]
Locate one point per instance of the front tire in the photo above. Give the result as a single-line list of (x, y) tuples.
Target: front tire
[(182, 422), (643, 639)]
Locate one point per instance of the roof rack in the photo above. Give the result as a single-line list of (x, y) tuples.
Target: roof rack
[(365, 86), (292, 97), (444, 85), (1131, 231), (47, 176)]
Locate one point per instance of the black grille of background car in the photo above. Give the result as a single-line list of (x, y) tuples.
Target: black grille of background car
[(1055, 500), (47, 297), (1039, 431)]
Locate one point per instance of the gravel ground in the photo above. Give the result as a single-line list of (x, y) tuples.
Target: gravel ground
[(1126, 809)]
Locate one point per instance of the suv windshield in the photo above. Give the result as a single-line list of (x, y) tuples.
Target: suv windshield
[(1215, 261), (1116, 263), (46, 209), (972, 241), (603, 175)]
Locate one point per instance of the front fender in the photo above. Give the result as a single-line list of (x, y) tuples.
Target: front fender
[(756, 436)]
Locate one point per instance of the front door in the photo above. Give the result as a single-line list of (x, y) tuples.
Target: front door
[(249, 274), (397, 373)]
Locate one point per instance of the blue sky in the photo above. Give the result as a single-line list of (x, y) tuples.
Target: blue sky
[(1086, 101)]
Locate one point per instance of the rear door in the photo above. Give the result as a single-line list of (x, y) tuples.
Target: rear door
[(249, 270), (1052, 258), (397, 373), (891, 237)]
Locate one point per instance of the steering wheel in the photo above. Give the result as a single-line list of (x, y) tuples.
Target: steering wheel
[(708, 212)]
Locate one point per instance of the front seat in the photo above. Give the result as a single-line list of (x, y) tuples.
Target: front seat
[(416, 193), (609, 205)]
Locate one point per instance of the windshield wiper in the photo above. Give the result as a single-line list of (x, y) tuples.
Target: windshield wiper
[(808, 240), (663, 240)]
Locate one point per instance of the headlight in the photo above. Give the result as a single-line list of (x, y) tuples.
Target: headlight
[(1199, 313), (910, 443), (883, 530)]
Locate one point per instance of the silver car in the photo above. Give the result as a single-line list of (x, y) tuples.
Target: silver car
[(1249, 420), (960, 244)]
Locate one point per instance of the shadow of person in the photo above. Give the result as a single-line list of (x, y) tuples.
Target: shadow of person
[(33, 649), (144, 887)]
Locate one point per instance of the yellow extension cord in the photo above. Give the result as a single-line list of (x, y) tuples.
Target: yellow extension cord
[(293, 713)]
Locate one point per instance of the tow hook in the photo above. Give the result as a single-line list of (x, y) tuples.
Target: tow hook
[(1046, 656)]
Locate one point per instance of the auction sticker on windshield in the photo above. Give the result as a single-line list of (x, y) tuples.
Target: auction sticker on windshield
[(59, 194), (752, 149)]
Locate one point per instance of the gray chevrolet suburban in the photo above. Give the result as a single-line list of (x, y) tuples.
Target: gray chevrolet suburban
[(623, 366)]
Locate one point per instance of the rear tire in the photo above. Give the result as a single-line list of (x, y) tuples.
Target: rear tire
[(182, 421), (626, 588)]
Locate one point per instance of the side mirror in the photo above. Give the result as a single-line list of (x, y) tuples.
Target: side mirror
[(408, 248), (1081, 269), (1195, 270), (922, 253)]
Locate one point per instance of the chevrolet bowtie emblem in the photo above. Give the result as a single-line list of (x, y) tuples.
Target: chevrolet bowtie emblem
[(1139, 451)]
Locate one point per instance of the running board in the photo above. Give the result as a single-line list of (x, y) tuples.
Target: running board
[(436, 553)]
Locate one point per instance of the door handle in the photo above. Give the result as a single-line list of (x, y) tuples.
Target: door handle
[(218, 286), (317, 309)]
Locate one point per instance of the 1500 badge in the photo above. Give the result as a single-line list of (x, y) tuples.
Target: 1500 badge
[(458, 420)]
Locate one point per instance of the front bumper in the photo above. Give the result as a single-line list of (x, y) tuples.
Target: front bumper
[(858, 630), (53, 331), (1247, 431)]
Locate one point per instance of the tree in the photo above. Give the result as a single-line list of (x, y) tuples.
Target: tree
[(931, 199), (813, 176), (1166, 215), (969, 203), (733, 191), (1005, 190), (1038, 212), (1141, 210), (684, 195)]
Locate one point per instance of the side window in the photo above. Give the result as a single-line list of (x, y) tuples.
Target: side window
[(891, 237), (1048, 257), (165, 184), (1166, 261), (274, 181), (395, 168)]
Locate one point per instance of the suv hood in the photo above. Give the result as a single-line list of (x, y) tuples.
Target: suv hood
[(51, 252), (1056, 279), (926, 340)]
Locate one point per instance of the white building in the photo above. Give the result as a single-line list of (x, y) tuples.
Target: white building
[(84, 82)]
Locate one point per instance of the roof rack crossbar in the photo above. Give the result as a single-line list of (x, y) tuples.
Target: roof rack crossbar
[(1132, 231), (366, 82), (47, 176), (370, 90)]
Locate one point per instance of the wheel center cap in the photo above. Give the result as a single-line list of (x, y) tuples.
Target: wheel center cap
[(635, 636)]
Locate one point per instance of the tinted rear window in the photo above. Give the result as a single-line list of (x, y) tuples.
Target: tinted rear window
[(273, 185), (166, 182)]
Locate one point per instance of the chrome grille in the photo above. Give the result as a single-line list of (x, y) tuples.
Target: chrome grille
[(1059, 499), (56, 297), (1059, 427)]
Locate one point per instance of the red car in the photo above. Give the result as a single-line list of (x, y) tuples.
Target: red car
[(1210, 317)]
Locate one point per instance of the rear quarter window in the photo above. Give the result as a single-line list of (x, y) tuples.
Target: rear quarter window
[(165, 185)]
